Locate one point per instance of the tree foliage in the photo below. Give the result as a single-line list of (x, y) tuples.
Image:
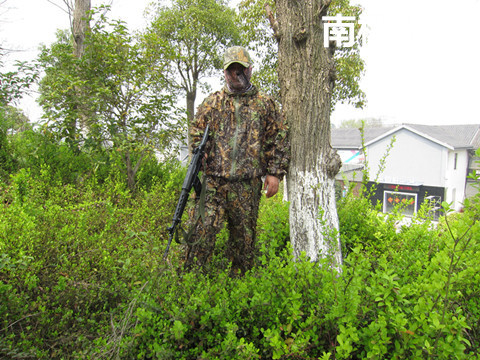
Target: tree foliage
[(15, 83), (258, 36), (122, 92), (361, 123), (192, 36), (349, 64)]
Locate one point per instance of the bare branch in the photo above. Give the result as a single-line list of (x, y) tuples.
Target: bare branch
[(323, 8), (273, 22), (61, 8)]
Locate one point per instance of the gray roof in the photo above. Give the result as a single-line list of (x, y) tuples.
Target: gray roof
[(350, 172), (350, 138), (453, 136)]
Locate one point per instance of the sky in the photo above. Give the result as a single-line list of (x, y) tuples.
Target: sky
[(422, 62), (422, 56)]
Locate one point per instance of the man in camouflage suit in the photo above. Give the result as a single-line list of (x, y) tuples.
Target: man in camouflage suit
[(247, 141)]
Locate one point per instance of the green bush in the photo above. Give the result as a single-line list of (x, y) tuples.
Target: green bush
[(81, 276), (7, 163), (70, 256), (273, 228), (269, 313), (403, 293)]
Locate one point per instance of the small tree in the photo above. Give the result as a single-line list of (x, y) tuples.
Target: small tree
[(193, 35), (122, 88)]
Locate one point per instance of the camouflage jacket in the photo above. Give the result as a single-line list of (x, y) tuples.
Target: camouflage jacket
[(247, 136)]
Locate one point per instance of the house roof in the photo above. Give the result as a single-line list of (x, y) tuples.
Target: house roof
[(350, 138), (350, 172), (451, 136)]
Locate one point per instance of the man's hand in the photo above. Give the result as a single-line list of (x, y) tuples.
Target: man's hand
[(271, 185)]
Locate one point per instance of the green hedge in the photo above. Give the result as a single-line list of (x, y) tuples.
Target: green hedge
[(70, 256), (403, 294), (82, 277)]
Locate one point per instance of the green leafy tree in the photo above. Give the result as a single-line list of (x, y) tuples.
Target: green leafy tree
[(15, 120), (192, 35), (361, 123), (349, 66), (13, 85), (58, 97), (122, 85), (258, 35)]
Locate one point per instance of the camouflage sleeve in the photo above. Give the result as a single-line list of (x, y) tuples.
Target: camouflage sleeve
[(199, 123), (277, 149)]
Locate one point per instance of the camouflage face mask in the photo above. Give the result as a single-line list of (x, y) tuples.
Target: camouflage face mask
[(238, 77)]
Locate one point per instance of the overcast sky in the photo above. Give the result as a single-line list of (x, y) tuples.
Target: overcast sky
[(422, 56)]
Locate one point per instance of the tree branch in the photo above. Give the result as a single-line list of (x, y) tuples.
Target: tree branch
[(273, 22), (324, 7)]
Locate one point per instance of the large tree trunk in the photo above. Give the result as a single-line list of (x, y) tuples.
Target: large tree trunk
[(79, 28), (80, 25), (306, 73)]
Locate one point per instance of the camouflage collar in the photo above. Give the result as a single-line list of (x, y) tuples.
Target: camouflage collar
[(250, 92)]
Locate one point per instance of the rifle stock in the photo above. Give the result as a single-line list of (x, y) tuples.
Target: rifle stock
[(191, 181)]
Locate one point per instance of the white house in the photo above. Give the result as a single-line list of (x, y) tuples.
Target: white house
[(424, 161)]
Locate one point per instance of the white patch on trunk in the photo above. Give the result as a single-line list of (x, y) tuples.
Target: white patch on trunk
[(313, 216)]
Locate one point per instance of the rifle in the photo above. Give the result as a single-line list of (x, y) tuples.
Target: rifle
[(191, 181)]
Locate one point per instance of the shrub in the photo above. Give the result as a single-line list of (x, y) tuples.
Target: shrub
[(70, 258), (81, 276), (402, 294)]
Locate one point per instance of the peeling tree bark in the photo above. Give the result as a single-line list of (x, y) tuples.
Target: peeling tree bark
[(306, 74)]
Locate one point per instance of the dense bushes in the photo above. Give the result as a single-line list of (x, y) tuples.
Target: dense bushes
[(402, 294), (70, 255), (81, 276)]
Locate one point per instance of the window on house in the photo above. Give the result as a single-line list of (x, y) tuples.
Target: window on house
[(405, 201), (455, 161)]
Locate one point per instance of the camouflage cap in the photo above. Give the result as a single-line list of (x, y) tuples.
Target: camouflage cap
[(236, 54)]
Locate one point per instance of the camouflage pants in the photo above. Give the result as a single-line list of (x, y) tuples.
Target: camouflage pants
[(236, 202)]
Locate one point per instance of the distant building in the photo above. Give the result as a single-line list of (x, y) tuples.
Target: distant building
[(425, 162)]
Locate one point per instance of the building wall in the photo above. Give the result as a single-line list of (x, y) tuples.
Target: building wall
[(472, 186), (416, 160), (455, 177), (412, 160)]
